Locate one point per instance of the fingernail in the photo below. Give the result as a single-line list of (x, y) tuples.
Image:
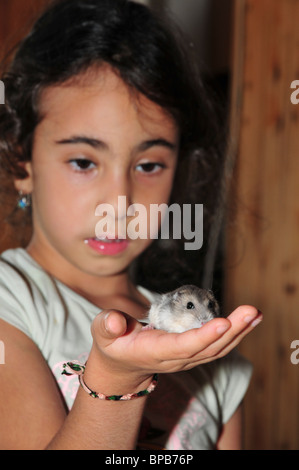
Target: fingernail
[(222, 329), (105, 321), (256, 322), (251, 318)]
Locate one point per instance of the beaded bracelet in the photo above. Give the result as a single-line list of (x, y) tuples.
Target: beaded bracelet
[(74, 367)]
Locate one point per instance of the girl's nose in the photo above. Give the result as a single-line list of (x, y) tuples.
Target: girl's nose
[(116, 199), (119, 195)]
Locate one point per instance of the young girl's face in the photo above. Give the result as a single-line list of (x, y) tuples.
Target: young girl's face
[(96, 142)]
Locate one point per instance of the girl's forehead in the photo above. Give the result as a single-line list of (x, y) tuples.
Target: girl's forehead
[(101, 94)]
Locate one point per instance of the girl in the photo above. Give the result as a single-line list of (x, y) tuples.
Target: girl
[(100, 103)]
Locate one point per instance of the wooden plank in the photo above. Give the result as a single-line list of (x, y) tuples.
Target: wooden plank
[(262, 263), (16, 18)]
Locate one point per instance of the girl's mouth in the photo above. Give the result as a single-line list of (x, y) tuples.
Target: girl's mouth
[(107, 246)]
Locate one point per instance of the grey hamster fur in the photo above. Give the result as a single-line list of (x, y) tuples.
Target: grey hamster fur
[(183, 309)]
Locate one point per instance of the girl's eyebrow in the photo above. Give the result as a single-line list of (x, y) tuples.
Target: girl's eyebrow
[(157, 143), (97, 144)]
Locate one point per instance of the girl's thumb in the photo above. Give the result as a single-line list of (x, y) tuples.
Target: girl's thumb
[(109, 324)]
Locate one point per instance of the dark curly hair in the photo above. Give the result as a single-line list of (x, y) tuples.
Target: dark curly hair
[(72, 36)]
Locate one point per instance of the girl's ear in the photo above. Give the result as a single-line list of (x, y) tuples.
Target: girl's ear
[(25, 184)]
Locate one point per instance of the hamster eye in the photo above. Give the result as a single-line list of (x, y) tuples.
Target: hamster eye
[(211, 305), (190, 305)]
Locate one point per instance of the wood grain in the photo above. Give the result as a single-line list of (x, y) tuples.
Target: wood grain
[(262, 248)]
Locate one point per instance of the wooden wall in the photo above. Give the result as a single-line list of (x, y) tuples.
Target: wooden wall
[(262, 257), (16, 17)]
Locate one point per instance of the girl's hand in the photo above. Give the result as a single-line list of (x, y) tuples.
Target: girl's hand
[(125, 348)]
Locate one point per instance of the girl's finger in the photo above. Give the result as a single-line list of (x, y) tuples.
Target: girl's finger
[(243, 320), (249, 326), (108, 325), (212, 339), (183, 346)]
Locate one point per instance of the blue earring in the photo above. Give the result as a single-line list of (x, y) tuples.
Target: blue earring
[(24, 201)]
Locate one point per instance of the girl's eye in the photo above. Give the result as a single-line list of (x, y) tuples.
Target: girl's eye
[(149, 168), (82, 164)]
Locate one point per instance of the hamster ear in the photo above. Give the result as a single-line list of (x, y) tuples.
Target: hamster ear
[(175, 295)]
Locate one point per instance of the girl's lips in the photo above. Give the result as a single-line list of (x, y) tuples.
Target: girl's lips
[(107, 246)]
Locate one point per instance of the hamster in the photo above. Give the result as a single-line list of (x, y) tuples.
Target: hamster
[(183, 309)]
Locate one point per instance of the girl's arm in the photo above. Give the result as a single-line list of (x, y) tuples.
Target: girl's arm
[(31, 407), (231, 436), (122, 360)]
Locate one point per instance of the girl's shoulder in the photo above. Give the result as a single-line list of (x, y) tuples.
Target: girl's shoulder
[(17, 263), (27, 294), (16, 291), (22, 281)]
